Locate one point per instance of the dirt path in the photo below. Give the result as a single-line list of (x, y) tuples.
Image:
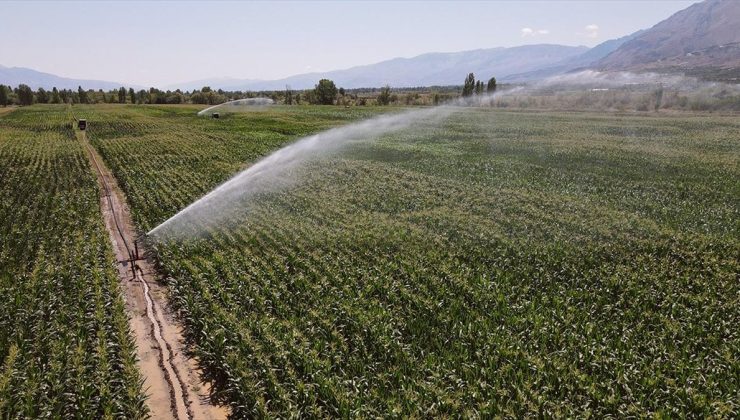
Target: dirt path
[(171, 380), (7, 109)]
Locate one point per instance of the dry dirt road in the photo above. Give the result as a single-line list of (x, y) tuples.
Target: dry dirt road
[(171, 380)]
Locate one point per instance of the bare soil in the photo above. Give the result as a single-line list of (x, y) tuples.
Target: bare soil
[(6, 109), (171, 379)]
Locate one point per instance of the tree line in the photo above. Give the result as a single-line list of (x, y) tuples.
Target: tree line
[(23, 95), (325, 92), (472, 87)]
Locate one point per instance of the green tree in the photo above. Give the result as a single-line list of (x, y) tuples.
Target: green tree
[(82, 95), (122, 95), (288, 95), (491, 88), (55, 99), (25, 95), (385, 95), (198, 98), (214, 98), (469, 85), (479, 87), (326, 92), (42, 96), (3, 96), (173, 97), (658, 97), (310, 96), (132, 95), (65, 95), (153, 96)]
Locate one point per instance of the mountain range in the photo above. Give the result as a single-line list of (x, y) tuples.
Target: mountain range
[(581, 61), (702, 40), (423, 70), (14, 76)]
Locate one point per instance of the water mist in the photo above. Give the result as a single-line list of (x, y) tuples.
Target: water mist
[(279, 169)]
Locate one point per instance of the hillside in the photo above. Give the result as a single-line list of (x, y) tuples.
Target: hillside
[(13, 76), (703, 40), (423, 70), (572, 63)]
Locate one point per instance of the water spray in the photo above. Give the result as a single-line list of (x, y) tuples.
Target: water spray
[(277, 170), (238, 105)]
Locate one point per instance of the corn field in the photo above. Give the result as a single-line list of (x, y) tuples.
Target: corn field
[(497, 263), (494, 263), (65, 346)]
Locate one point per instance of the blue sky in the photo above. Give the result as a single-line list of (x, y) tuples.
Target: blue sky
[(160, 43)]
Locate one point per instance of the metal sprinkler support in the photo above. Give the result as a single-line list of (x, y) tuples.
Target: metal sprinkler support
[(133, 265), (134, 254), (141, 237)]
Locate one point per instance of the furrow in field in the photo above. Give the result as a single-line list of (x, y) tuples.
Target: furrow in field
[(176, 391)]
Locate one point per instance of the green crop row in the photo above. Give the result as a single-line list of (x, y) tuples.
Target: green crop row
[(65, 345), (198, 152), (493, 263)]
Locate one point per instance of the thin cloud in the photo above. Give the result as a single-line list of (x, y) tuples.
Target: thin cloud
[(592, 31), (534, 32)]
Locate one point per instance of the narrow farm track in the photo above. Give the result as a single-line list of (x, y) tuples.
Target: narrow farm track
[(172, 380)]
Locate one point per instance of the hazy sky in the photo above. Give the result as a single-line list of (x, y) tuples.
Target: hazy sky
[(160, 43)]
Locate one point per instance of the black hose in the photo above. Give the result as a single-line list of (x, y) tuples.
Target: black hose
[(110, 200)]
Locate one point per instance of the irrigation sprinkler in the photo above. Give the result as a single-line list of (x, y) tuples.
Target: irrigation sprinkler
[(231, 106), (82, 124), (133, 265), (143, 238), (135, 253)]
